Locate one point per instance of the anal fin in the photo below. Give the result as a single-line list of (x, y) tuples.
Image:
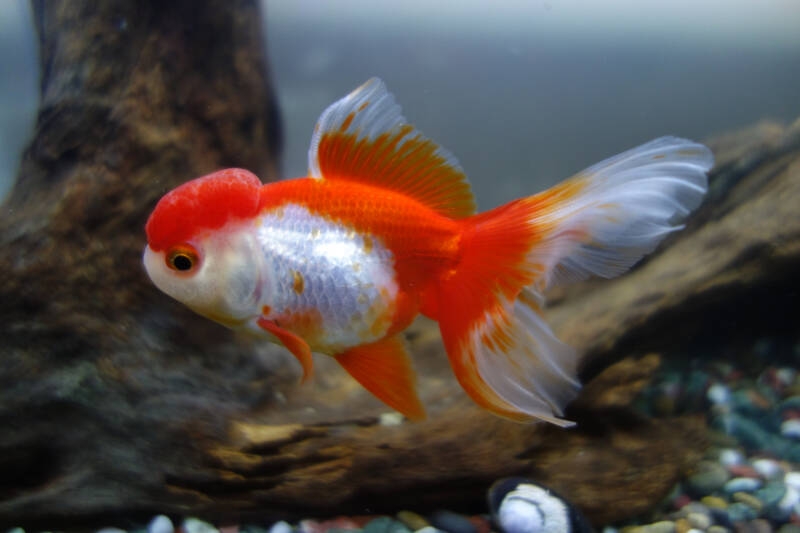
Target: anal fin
[(384, 368), (293, 343)]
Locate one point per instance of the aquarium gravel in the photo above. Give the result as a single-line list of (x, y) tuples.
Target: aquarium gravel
[(748, 481)]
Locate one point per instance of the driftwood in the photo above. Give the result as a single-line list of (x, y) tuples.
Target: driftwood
[(118, 402)]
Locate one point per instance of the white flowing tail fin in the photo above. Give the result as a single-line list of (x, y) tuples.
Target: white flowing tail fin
[(600, 222), (618, 210)]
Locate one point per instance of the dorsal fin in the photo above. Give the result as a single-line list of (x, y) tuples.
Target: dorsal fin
[(363, 137)]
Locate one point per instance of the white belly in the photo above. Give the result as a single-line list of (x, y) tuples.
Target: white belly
[(329, 284)]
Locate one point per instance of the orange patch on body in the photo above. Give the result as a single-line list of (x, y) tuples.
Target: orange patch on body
[(379, 317), (306, 323), (266, 310), (278, 212), (368, 244), (298, 283)]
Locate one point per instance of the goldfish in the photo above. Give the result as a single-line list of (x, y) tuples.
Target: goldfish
[(384, 228)]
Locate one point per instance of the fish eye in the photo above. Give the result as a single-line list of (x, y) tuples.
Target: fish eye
[(182, 258)]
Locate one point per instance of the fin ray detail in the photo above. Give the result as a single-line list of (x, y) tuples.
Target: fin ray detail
[(606, 218), (363, 137), (384, 368)]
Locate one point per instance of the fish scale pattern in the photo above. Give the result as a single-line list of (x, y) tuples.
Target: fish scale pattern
[(330, 284)]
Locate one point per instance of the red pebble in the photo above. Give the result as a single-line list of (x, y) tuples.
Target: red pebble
[(680, 501), (229, 529), (734, 375), (342, 522), (743, 471), (481, 524), (362, 519), (789, 414)]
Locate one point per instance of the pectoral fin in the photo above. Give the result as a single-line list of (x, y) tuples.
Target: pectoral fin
[(293, 343), (384, 368)]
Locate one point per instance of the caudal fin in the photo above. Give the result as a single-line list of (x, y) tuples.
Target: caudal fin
[(600, 222)]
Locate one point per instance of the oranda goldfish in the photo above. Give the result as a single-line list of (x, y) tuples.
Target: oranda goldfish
[(384, 228)]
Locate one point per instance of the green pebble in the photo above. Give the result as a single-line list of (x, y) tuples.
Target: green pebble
[(740, 512), (789, 528), (771, 494), (384, 524), (792, 402), (707, 477)]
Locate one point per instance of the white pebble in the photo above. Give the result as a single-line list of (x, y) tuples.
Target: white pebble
[(193, 525), (699, 520), (693, 530), (791, 428), (391, 419), (792, 479), (111, 530), (790, 500), (160, 524), (785, 375), (742, 484), (609, 529), (280, 527), (718, 394), (767, 468), (530, 508), (729, 457)]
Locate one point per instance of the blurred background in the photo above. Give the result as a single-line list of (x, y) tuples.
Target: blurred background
[(523, 92)]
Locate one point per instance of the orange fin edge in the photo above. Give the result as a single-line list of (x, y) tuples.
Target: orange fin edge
[(384, 369), (293, 343)]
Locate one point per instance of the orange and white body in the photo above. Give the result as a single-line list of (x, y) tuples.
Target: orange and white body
[(384, 228)]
